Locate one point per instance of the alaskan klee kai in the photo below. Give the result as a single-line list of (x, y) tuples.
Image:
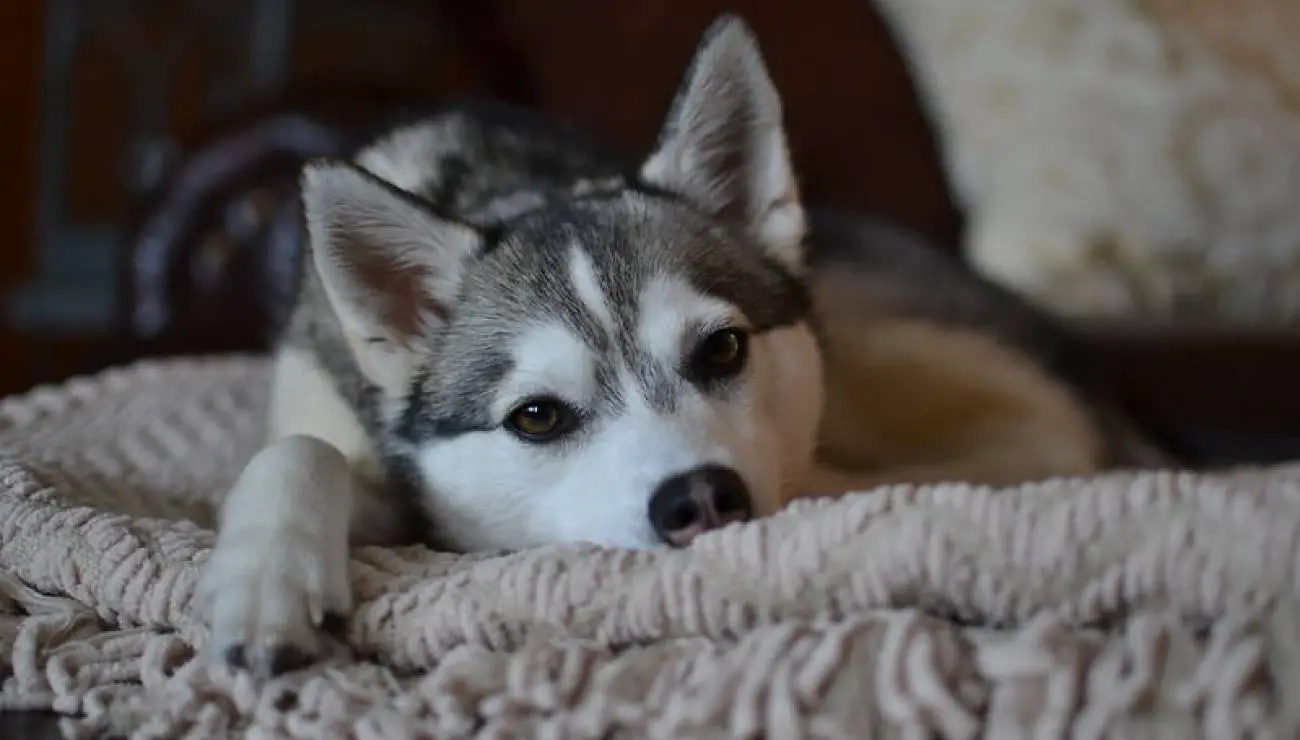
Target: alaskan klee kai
[(505, 337)]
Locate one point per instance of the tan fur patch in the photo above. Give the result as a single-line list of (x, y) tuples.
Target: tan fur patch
[(910, 401)]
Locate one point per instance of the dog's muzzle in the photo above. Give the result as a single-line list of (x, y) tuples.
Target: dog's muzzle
[(687, 505)]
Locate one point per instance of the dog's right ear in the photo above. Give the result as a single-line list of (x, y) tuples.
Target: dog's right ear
[(390, 268), (724, 147)]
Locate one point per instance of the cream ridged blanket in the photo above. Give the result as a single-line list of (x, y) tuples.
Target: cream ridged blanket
[(1156, 605)]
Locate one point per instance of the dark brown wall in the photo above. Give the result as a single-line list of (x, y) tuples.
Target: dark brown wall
[(20, 55), (859, 136)]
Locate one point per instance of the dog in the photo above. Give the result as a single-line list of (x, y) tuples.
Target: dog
[(506, 337)]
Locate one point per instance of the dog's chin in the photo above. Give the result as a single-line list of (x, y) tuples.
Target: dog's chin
[(627, 541), (630, 544)]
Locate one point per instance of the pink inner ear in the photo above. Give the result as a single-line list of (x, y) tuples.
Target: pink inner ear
[(399, 290)]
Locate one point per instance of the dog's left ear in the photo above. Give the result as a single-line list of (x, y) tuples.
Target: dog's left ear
[(724, 146)]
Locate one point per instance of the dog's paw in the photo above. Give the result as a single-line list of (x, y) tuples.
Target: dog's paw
[(270, 597)]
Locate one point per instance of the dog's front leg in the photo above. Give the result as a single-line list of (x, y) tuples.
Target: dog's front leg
[(280, 564)]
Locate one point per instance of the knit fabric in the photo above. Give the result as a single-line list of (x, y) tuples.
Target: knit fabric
[(1129, 605)]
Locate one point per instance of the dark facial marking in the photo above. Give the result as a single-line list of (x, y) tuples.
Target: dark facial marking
[(660, 387), (454, 404), (453, 172)]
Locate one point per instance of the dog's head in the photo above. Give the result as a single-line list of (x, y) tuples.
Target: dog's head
[(627, 369)]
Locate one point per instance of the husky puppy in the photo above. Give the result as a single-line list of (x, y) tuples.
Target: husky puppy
[(504, 337)]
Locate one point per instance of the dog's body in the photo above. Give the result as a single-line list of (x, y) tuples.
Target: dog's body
[(933, 374), (506, 338)]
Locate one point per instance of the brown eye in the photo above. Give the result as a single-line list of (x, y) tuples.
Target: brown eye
[(541, 420), (721, 355)]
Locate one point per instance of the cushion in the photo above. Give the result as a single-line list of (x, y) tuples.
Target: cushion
[(1121, 158)]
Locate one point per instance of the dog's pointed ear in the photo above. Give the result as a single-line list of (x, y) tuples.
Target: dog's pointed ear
[(724, 148), (389, 267)]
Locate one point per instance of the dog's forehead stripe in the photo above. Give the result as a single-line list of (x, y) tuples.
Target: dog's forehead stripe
[(587, 286), (593, 286), (611, 285), (560, 282)]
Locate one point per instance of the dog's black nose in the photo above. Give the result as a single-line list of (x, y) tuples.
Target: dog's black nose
[(687, 505)]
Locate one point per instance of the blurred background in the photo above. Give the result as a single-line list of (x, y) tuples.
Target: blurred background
[(149, 150)]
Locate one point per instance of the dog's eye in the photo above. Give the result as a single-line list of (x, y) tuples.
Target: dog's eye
[(721, 354), (541, 420)]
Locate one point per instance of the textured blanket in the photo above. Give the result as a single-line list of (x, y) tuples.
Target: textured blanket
[(1148, 605)]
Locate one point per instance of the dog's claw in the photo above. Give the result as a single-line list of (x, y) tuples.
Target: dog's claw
[(266, 603), (335, 624), (272, 661), (235, 657), (286, 658)]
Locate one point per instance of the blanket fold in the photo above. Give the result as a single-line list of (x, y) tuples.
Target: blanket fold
[(1127, 605)]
